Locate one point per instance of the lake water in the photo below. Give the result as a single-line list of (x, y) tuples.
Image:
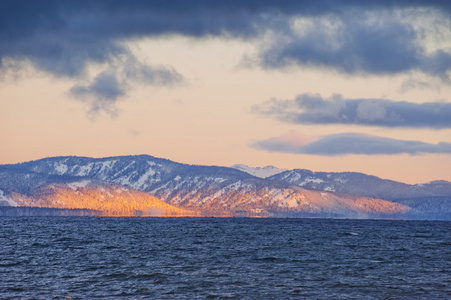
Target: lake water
[(221, 258)]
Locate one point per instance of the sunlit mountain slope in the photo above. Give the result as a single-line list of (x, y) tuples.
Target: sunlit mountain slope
[(31, 189), (213, 190)]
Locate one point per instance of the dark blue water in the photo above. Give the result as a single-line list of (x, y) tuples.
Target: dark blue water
[(166, 258)]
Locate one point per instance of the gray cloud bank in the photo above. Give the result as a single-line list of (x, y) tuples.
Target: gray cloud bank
[(353, 143), (63, 37), (381, 43), (314, 109)]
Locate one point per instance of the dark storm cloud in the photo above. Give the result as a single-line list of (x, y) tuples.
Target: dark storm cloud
[(352, 143), (61, 37), (313, 109), (366, 43)]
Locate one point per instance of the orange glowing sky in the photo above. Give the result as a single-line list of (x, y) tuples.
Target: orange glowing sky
[(211, 114)]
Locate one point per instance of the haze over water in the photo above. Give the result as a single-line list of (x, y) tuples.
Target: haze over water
[(165, 258)]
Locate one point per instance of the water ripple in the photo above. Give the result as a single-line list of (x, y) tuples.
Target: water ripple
[(198, 258)]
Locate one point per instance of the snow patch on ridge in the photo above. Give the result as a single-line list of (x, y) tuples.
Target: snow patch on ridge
[(311, 180), (79, 184), (294, 177), (60, 168), (142, 180), (84, 170), (341, 180), (106, 165)]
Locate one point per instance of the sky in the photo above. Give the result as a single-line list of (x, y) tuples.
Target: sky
[(362, 86)]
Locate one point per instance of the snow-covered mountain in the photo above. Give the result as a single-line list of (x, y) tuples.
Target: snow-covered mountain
[(259, 172), (22, 188), (211, 190), (362, 184), (429, 200)]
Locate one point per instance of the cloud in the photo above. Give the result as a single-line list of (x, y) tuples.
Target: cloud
[(378, 43), (351, 143), (64, 37), (289, 142), (414, 83), (314, 109), (378, 37), (102, 93)]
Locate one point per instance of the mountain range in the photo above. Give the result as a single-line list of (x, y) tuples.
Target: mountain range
[(146, 185)]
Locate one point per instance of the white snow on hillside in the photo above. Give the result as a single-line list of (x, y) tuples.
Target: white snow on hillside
[(79, 184)]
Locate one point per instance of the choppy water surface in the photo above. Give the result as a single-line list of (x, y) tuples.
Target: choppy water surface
[(165, 258)]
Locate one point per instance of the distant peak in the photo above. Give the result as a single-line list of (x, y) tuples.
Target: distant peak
[(258, 171)]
